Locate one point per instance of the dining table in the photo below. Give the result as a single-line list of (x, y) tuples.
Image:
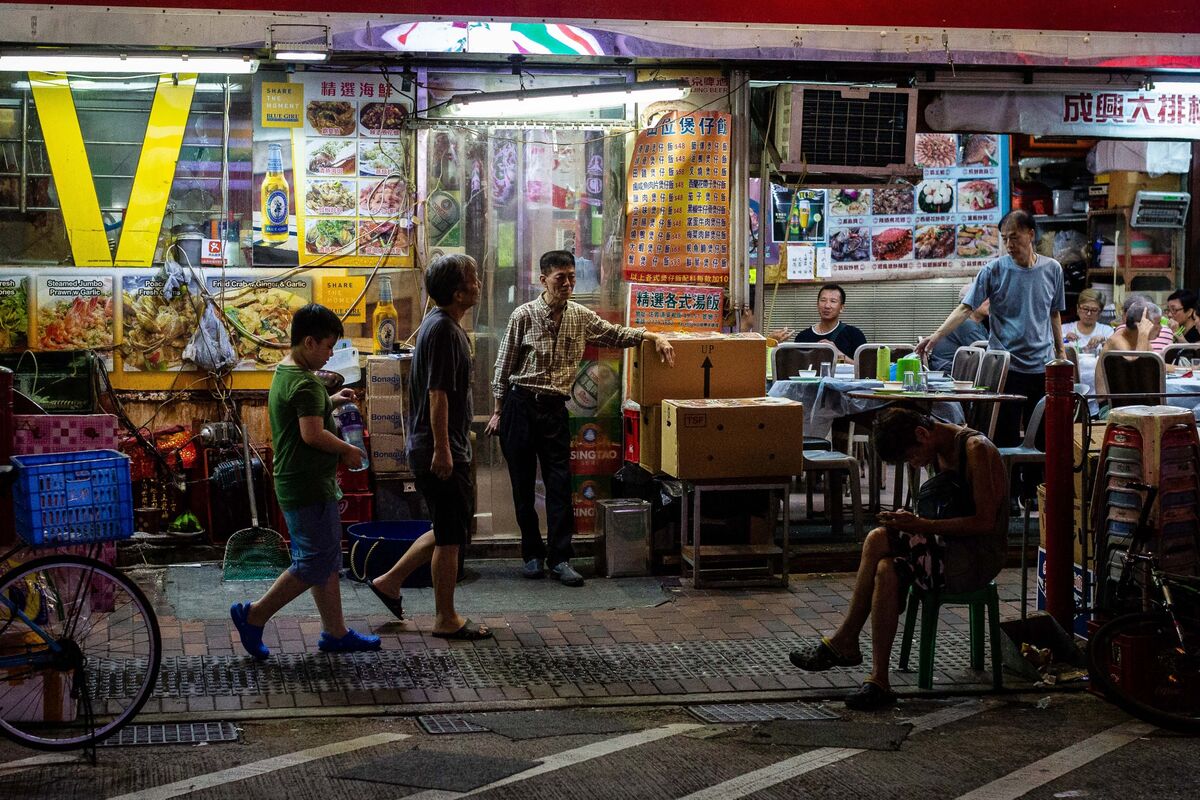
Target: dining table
[(831, 404)]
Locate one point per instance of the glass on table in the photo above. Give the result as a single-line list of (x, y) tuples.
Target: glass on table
[(910, 381), (826, 370)]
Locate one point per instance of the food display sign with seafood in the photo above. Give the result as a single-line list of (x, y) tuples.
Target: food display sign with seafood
[(356, 172), (155, 329), (260, 312), (14, 313), (678, 201), (75, 313), (946, 224)]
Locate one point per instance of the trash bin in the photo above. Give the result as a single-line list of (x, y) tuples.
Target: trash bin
[(375, 547)]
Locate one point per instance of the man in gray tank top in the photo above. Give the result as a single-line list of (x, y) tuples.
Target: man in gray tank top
[(958, 550)]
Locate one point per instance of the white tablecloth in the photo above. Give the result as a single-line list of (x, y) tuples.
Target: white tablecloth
[(829, 399), (1087, 377)]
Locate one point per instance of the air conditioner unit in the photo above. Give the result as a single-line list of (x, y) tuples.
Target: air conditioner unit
[(845, 129)]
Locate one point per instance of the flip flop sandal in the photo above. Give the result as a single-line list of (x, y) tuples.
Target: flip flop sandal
[(392, 604), (822, 658), (469, 632), (870, 697)]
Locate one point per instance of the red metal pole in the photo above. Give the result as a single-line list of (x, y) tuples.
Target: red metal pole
[(1060, 493)]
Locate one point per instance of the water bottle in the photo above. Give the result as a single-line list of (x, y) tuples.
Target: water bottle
[(350, 425)]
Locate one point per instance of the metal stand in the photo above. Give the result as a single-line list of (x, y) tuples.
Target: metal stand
[(739, 567)]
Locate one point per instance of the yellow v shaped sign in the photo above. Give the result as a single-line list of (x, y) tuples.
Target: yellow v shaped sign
[(73, 174)]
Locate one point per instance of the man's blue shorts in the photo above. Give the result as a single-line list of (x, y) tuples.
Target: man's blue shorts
[(316, 534)]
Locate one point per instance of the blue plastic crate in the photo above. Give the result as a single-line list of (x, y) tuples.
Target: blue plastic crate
[(73, 498)]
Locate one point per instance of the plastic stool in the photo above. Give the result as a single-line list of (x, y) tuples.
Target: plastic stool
[(930, 602)]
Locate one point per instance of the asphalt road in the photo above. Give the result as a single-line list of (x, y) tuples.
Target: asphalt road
[(993, 748)]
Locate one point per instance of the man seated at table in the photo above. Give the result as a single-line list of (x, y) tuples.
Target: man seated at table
[(1143, 322), (1159, 341), (845, 338), (959, 546), (973, 329)]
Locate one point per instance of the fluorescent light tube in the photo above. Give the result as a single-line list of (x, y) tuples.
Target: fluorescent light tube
[(136, 64), (534, 102), (301, 55)]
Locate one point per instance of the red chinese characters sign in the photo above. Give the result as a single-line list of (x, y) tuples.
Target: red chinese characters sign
[(677, 201), (1165, 113)]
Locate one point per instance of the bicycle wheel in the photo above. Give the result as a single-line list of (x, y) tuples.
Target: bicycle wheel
[(1139, 664), (79, 652)]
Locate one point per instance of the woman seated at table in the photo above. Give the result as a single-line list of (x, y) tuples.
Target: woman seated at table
[(1143, 323), (1087, 335)]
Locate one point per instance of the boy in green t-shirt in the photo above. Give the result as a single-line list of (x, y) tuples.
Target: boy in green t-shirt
[(307, 451)]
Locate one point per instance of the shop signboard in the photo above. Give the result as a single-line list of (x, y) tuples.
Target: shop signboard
[(678, 201), (353, 170), (1169, 111), (75, 312), (14, 313), (260, 311), (282, 105), (155, 329), (674, 307), (946, 225)]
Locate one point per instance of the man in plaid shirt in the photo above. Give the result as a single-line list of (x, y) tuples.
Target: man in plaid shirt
[(536, 366)]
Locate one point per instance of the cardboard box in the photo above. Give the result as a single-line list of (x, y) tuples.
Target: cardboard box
[(1081, 619), (387, 375), (650, 438), (595, 446), (388, 454), (1123, 186), (754, 437), (385, 414), (707, 365)]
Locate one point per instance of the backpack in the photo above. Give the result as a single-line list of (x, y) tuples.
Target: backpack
[(948, 494)]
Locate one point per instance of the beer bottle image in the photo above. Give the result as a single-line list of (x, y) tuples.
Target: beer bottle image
[(274, 198), (385, 319)]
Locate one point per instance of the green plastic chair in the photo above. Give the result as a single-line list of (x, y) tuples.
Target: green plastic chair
[(929, 604)]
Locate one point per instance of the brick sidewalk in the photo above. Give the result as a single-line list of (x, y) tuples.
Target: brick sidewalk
[(694, 643)]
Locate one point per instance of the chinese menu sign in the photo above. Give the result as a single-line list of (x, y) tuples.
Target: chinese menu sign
[(674, 307), (1167, 114), (948, 224), (353, 160), (677, 206)]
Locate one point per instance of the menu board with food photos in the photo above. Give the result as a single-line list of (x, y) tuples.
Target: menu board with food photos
[(260, 311), (354, 170), (75, 312), (946, 224)]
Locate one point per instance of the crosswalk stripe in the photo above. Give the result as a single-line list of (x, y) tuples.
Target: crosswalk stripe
[(1021, 782), (567, 758), (267, 765), (768, 776)]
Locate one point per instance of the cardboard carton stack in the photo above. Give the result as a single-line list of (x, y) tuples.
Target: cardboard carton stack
[(385, 415), (706, 417)]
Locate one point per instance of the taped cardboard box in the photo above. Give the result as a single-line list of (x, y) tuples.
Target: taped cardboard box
[(385, 414), (707, 365), (755, 437), (388, 375), (388, 454), (650, 438)]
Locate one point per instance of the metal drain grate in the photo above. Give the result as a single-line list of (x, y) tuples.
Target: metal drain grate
[(438, 724), (759, 712), (186, 733)]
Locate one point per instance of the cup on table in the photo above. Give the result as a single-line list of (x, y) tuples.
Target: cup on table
[(910, 381), (826, 370), (1195, 366)]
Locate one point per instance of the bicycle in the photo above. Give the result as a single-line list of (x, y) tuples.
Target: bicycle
[(80, 646), (1148, 662)]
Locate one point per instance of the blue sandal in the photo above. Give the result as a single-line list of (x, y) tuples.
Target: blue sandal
[(352, 642)]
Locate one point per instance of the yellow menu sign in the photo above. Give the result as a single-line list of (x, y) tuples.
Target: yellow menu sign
[(338, 292), (282, 105)]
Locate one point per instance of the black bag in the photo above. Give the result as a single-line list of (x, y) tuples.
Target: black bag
[(948, 495)]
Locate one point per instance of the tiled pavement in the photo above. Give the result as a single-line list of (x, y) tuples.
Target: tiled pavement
[(695, 643)]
